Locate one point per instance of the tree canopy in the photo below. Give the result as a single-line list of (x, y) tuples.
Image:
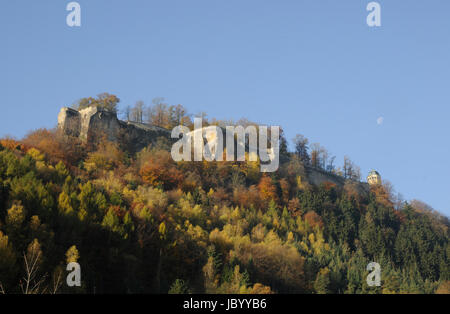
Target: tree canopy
[(143, 223)]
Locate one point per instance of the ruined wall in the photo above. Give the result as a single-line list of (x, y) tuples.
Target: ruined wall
[(317, 177), (93, 124), (69, 121)]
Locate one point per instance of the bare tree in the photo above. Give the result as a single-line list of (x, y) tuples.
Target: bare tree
[(350, 170), (32, 259), (399, 201), (57, 280), (301, 148), (324, 155), (137, 112), (319, 156), (347, 167), (315, 155), (203, 115), (33, 281), (176, 115), (158, 114), (127, 113), (330, 165)]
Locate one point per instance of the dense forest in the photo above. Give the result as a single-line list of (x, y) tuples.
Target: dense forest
[(142, 223)]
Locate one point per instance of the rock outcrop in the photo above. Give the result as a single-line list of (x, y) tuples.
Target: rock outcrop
[(93, 124)]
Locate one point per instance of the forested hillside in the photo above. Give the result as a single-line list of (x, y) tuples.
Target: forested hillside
[(145, 224)]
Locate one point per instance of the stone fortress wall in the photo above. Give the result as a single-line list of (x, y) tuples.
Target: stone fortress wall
[(318, 176), (93, 123)]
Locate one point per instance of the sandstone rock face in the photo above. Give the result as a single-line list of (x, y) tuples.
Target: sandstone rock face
[(93, 124)]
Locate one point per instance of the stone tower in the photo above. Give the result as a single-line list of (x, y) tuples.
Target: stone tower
[(88, 123), (374, 178)]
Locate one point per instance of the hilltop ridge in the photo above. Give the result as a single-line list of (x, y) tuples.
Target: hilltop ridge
[(92, 123)]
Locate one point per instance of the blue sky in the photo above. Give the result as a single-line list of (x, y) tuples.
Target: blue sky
[(313, 67)]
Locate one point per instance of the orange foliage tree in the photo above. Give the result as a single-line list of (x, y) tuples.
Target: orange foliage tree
[(55, 146), (160, 170), (313, 219), (11, 144), (267, 189)]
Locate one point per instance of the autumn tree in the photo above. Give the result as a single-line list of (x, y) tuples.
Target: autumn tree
[(267, 189), (444, 287), (105, 101), (160, 170), (313, 219), (55, 146)]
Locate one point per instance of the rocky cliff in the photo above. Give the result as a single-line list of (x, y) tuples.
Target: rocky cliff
[(93, 123)]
